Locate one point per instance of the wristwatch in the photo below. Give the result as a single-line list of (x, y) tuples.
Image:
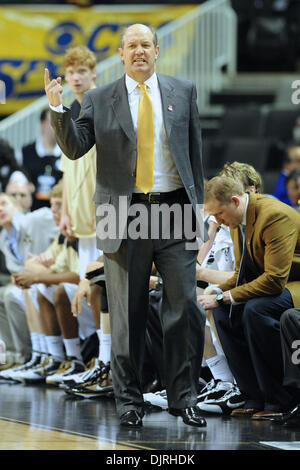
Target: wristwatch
[(220, 298)]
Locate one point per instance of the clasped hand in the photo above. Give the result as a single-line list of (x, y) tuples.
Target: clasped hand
[(208, 301), (23, 280)]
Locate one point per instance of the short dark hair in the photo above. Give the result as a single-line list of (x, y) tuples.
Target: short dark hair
[(44, 114), (7, 153), (293, 176)]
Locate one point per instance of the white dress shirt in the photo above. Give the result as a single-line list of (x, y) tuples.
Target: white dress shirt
[(166, 177), (243, 228)]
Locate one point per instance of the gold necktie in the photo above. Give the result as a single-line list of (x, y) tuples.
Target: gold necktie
[(145, 143)]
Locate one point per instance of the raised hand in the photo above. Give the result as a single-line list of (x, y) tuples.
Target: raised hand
[(53, 89)]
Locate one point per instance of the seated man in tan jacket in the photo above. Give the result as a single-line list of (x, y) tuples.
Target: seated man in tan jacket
[(266, 282)]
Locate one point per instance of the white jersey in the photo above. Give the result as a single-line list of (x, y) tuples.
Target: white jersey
[(220, 256)]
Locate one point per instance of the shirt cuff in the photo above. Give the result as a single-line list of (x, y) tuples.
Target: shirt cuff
[(218, 290), (232, 301), (231, 298), (58, 109)]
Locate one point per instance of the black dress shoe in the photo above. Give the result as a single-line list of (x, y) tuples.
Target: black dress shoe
[(190, 416), (290, 419), (131, 419)]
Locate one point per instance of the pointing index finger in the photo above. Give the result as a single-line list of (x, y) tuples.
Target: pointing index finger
[(46, 77)]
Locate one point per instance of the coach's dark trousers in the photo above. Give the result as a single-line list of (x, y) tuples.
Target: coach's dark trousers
[(183, 320), (251, 343)]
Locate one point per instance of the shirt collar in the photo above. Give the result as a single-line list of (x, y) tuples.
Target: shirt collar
[(16, 224), (244, 220), (12, 235), (131, 84)]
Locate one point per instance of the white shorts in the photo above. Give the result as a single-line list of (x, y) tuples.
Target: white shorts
[(32, 292), (86, 324), (18, 295), (87, 252)]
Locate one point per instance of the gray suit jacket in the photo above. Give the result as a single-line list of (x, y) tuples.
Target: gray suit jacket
[(105, 119), (35, 232)]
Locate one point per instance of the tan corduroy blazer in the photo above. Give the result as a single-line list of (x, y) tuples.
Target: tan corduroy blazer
[(273, 244)]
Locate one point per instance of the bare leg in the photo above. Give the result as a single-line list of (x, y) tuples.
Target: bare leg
[(48, 317), (209, 349), (96, 304), (68, 324), (34, 321)]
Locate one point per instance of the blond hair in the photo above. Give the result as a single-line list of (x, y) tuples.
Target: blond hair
[(11, 198), (57, 190), (246, 174), (222, 188), (79, 55)]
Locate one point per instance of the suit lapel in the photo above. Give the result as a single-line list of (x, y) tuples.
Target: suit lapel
[(121, 108), (168, 103), (122, 111)]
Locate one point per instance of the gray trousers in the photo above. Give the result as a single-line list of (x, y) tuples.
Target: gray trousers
[(127, 275), (13, 325)]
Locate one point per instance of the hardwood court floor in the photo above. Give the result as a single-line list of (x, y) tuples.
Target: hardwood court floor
[(45, 418)]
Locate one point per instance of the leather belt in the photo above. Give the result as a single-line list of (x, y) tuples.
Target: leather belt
[(158, 198)]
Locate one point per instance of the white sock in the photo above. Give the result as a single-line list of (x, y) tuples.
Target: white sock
[(219, 368), (56, 347), (105, 346), (43, 343), (99, 332), (35, 341), (73, 348)]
